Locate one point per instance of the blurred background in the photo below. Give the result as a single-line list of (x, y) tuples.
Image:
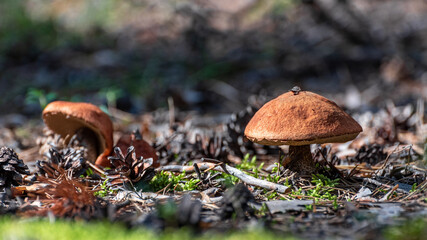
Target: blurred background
[(210, 55)]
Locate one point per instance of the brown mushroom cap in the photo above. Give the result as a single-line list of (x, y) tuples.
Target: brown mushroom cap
[(301, 119), (65, 118)]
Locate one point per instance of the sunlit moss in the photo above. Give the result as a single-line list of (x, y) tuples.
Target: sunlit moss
[(64, 230), (411, 230)]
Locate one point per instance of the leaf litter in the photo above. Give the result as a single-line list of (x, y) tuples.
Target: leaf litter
[(213, 179)]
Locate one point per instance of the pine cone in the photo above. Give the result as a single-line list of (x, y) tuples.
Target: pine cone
[(235, 132), (235, 139), (69, 198), (210, 147), (142, 148), (68, 159), (11, 168), (175, 148), (371, 154), (130, 168), (51, 140)]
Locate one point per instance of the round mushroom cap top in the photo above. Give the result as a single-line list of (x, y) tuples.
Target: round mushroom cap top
[(65, 118), (301, 118)]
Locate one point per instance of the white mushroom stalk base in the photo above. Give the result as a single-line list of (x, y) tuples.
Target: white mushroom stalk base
[(300, 160)]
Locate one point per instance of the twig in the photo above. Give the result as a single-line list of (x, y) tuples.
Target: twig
[(164, 189), (168, 140), (380, 184), (96, 168), (357, 167), (385, 198), (171, 106), (421, 187), (199, 174), (388, 157), (218, 162), (353, 171), (229, 170), (137, 207), (332, 166), (385, 161)]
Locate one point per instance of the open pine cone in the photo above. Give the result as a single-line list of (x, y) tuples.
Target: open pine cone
[(68, 159), (68, 198), (71, 156), (129, 168), (11, 168)]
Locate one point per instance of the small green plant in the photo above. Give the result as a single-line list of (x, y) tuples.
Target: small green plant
[(250, 165), (229, 180), (276, 168), (89, 172), (273, 178), (414, 187), (275, 175), (287, 184), (324, 186), (263, 210), (39, 96), (189, 185), (176, 182), (297, 192), (335, 204), (105, 189), (247, 164), (163, 179), (271, 195), (322, 191)]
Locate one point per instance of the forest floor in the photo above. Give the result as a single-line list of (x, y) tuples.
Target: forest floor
[(212, 179), (190, 76)]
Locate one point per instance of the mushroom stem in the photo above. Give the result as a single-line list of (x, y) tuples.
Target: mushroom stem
[(89, 140), (300, 160)]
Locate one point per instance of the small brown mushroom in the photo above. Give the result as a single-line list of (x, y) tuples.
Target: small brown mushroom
[(300, 118), (69, 118)]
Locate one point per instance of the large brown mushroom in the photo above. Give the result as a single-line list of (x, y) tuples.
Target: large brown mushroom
[(300, 118), (68, 118)]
